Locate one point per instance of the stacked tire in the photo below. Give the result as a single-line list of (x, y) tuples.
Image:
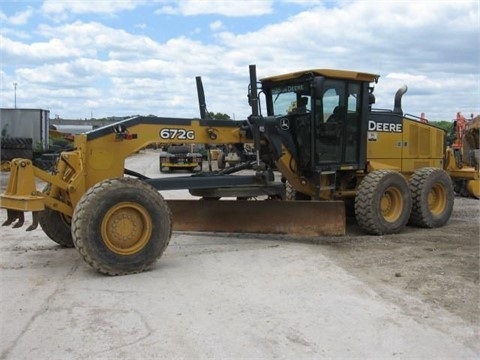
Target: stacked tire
[(16, 147)]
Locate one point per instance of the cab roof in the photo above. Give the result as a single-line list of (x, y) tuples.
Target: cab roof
[(330, 73)]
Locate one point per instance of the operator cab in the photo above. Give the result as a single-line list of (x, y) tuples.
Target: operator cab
[(321, 116)]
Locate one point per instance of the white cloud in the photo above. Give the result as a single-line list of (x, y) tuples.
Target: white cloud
[(216, 25), (406, 77), (225, 8), (55, 7), (95, 39), (433, 47), (20, 53), (19, 18)]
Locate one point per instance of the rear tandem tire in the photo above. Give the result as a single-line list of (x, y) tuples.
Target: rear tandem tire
[(383, 203), (433, 197), (57, 227), (121, 226)]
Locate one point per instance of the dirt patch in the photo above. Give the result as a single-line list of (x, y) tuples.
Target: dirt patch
[(438, 266)]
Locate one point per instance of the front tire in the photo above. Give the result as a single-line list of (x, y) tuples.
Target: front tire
[(383, 203), (121, 226), (433, 197), (57, 226), (291, 194)]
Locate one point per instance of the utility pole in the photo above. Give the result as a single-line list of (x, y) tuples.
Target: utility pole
[(15, 94)]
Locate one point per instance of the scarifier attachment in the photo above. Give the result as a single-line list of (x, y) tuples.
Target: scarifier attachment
[(12, 216), (301, 218), (21, 195), (19, 217)]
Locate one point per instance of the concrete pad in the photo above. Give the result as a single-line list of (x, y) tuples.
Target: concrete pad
[(209, 296), (218, 296)]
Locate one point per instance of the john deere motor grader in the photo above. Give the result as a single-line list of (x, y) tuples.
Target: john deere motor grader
[(319, 135)]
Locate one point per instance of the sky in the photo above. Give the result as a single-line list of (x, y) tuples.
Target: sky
[(82, 59)]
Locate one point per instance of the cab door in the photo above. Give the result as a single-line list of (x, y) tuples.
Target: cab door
[(338, 113)]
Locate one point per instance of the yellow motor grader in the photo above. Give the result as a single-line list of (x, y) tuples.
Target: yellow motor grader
[(320, 148)]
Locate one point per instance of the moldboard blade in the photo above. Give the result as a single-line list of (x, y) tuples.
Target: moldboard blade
[(302, 218)]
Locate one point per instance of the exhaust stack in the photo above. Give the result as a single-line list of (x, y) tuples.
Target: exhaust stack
[(397, 108), (201, 98)]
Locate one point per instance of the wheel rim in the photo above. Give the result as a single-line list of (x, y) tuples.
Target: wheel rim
[(391, 204), (126, 228), (436, 199)]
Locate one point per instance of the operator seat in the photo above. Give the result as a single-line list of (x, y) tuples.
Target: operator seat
[(301, 105), (338, 115)]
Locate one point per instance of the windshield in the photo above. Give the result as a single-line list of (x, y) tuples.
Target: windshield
[(291, 98)]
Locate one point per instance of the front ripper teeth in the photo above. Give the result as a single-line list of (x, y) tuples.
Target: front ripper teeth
[(12, 216), (17, 218), (34, 225)]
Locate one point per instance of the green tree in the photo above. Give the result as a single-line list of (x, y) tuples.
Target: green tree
[(448, 127), (218, 116)]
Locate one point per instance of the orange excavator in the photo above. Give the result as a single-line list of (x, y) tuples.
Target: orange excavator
[(463, 157)]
